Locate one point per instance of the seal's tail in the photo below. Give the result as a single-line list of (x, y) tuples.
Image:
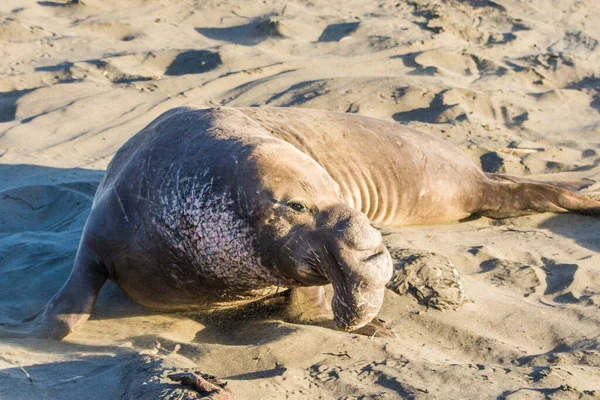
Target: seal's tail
[(513, 196)]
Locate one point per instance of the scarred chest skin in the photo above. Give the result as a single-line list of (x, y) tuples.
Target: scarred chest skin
[(217, 247)]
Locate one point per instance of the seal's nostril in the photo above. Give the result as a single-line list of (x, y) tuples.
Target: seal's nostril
[(367, 238), (374, 257), (353, 227), (380, 251)]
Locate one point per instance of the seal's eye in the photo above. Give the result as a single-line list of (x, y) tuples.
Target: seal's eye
[(297, 206)]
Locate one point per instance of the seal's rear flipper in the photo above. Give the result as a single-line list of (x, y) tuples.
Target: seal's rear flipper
[(591, 195), (574, 185), (71, 305), (505, 197)]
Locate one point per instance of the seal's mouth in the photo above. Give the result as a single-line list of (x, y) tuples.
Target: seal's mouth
[(379, 257), (353, 311), (358, 286)]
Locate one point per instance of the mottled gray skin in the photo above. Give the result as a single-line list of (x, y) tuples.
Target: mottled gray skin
[(212, 208)]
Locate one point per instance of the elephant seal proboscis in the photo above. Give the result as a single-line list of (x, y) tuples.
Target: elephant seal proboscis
[(212, 208)]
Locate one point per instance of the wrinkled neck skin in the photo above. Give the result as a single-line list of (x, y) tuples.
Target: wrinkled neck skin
[(308, 235)]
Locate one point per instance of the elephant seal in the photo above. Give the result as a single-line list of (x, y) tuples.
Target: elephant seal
[(213, 208)]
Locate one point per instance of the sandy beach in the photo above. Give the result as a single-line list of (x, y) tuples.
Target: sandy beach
[(514, 84)]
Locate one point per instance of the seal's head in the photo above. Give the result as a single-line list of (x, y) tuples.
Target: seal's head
[(310, 236)]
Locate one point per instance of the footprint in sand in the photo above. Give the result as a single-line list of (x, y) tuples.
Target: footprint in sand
[(44, 208), (14, 31), (559, 280), (510, 274), (336, 32), (8, 104), (115, 30), (250, 34)]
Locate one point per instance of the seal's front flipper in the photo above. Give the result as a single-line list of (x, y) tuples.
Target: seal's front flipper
[(71, 305), (308, 305), (376, 328)]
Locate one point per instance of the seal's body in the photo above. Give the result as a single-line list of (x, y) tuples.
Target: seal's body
[(393, 174), (218, 207)]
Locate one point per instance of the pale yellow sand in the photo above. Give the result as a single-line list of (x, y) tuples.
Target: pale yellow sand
[(78, 80)]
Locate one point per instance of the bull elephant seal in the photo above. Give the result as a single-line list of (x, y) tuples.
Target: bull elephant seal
[(212, 208)]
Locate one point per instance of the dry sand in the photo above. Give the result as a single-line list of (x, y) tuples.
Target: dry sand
[(514, 83)]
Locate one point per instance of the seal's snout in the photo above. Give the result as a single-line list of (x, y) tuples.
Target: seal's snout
[(358, 233), (361, 269), (343, 248), (351, 227), (379, 252)]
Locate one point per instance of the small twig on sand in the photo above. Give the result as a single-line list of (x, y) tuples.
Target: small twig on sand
[(511, 150), (239, 15), (202, 384), (344, 354), (546, 303), (510, 229), (27, 374)]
